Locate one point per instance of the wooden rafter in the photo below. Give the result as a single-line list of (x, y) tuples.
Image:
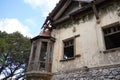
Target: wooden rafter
[(84, 1), (95, 10), (90, 4)]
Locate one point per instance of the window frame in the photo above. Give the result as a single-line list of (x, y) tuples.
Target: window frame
[(34, 50), (104, 42), (67, 40), (40, 53), (75, 55)]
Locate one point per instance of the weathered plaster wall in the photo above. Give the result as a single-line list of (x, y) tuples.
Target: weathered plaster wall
[(90, 44)]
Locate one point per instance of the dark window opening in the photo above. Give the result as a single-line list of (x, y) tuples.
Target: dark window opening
[(34, 52), (43, 54), (68, 49), (112, 37)]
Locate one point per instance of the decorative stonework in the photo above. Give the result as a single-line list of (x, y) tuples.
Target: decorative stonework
[(100, 73)]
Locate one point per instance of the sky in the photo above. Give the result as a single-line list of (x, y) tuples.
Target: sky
[(25, 16)]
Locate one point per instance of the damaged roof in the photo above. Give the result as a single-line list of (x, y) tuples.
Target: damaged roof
[(62, 5)]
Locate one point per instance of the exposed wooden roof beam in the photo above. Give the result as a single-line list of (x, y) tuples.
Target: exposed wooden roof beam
[(61, 19), (84, 1), (95, 10), (92, 3), (62, 10), (45, 21)]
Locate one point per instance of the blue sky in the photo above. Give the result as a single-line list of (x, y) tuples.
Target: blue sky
[(25, 16)]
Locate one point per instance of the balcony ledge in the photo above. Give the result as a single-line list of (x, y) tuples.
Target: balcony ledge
[(38, 74)]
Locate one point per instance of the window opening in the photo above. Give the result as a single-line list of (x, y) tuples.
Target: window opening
[(112, 37), (43, 54), (34, 51), (68, 49), (33, 57)]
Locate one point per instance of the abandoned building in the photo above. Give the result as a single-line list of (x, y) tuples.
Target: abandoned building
[(80, 40)]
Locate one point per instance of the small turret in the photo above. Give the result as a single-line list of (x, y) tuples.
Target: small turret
[(40, 60)]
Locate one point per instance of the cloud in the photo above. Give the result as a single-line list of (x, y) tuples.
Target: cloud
[(45, 5), (12, 25), (30, 21)]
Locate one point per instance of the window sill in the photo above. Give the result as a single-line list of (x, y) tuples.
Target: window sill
[(111, 50), (72, 58)]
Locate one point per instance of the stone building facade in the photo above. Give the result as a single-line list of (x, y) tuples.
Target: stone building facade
[(80, 41)]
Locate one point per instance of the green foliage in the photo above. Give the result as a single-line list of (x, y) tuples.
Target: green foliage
[(14, 54)]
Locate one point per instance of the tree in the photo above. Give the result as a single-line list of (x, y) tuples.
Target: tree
[(14, 54)]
